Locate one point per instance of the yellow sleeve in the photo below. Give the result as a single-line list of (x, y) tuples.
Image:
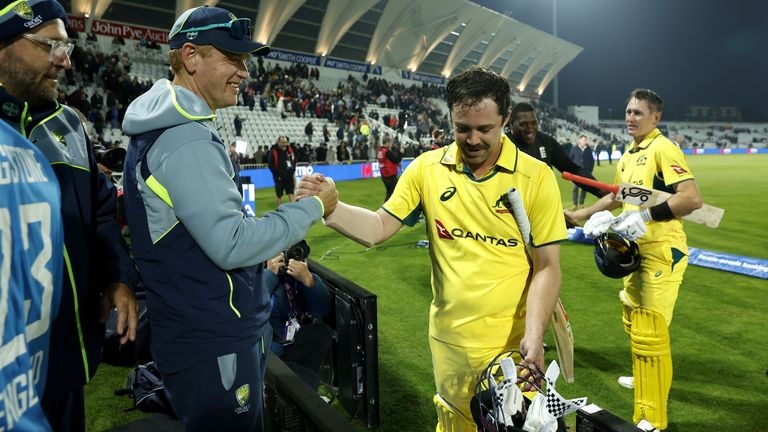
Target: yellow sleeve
[(672, 164), (545, 210), (407, 195)]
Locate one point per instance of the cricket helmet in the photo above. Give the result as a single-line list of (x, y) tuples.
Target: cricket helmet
[(616, 256)]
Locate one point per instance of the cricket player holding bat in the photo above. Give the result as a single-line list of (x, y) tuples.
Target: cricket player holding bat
[(489, 296), (649, 294)]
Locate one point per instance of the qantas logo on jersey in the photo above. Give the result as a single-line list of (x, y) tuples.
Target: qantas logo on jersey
[(678, 169), (461, 233), (442, 231)]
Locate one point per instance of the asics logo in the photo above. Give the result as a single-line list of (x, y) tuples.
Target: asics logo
[(448, 194)]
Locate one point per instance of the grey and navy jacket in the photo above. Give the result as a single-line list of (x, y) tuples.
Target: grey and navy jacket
[(199, 255), (94, 251)]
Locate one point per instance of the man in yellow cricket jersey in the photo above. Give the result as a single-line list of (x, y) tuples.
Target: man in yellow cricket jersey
[(488, 296), (650, 293)]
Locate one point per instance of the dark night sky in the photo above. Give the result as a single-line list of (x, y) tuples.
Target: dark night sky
[(692, 52)]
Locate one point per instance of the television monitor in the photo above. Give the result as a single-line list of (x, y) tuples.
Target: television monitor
[(351, 368), (290, 405)]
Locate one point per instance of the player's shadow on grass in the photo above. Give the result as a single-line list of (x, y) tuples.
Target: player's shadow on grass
[(751, 411), (405, 406)]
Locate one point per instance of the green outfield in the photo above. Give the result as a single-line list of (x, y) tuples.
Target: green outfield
[(718, 333)]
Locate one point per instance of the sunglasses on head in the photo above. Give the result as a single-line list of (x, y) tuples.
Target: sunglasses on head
[(239, 28)]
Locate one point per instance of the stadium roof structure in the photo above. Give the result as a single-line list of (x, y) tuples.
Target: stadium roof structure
[(434, 37)]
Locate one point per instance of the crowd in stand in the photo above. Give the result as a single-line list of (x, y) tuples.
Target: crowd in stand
[(293, 91), (350, 108), (114, 89)]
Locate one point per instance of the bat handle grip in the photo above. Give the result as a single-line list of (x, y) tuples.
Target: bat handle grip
[(568, 176), (590, 182)]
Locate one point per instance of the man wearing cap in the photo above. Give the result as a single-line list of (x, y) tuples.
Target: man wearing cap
[(34, 50), (200, 256)]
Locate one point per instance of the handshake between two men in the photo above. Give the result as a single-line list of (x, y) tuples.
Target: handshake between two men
[(322, 187)]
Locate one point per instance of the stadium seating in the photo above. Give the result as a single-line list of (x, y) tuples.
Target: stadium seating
[(261, 128)]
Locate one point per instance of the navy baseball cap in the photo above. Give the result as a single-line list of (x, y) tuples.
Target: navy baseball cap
[(215, 26), (22, 16)]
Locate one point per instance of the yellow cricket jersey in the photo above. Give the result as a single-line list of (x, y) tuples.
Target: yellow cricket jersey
[(479, 264), (656, 163)]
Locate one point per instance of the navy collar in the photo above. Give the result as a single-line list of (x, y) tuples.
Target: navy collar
[(17, 112)]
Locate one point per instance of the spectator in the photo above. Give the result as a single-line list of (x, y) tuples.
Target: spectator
[(321, 152), (234, 157), (389, 161), (258, 156), (528, 138), (581, 155), (238, 126), (437, 138), (300, 300), (152, 44), (309, 131), (282, 164), (326, 135), (342, 153), (98, 262), (23, 294)]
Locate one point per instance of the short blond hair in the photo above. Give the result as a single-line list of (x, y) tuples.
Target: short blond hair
[(177, 63)]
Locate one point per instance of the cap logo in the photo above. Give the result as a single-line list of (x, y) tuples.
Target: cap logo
[(191, 35), (23, 10)]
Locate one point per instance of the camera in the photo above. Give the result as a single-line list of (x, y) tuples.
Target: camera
[(111, 158), (299, 252)]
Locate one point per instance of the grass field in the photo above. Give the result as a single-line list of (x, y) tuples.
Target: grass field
[(718, 334)]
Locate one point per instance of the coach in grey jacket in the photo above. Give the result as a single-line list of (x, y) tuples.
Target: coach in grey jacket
[(199, 254)]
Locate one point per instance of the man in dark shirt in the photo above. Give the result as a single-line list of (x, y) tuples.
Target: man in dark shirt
[(282, 163), (389, 158), (526, 136)]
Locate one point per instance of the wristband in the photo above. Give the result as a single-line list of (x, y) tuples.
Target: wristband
[(661, 212)]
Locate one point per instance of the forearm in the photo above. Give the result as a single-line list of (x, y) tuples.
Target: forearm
[(542, 296), (361, 225), (605, 203), (686, 199)]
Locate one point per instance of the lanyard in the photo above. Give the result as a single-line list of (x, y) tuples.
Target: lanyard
[(291, 296)]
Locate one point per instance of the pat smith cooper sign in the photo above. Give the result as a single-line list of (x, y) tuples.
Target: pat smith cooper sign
[(110, 28)]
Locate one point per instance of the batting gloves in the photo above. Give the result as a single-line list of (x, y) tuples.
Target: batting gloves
[(598, 224), (631, 224)]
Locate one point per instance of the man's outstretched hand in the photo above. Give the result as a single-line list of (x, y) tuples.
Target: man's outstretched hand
[(320, 186)]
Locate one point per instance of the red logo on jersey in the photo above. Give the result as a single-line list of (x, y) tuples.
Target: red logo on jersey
[(442, 231), (678, 169)]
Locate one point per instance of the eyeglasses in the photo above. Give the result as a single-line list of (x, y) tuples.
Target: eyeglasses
[(58, 47), (239, 28)]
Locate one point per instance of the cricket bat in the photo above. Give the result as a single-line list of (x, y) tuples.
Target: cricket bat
[(561, 327), (644, 197)]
